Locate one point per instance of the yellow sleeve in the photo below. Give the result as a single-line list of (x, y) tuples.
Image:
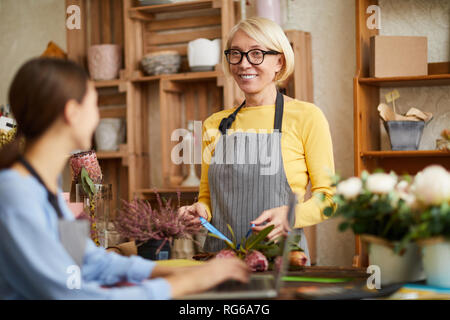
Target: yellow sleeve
[(318, 150)]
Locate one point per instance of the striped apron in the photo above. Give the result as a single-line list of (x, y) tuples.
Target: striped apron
[(246, 176)]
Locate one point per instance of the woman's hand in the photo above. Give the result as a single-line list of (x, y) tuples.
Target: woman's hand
[(201, 278), (194, 211), (276, 217)]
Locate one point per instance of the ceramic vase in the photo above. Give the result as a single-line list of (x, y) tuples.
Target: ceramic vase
[(269, 9), (104, 61), (395, 268), (109, 134), (436, 262)]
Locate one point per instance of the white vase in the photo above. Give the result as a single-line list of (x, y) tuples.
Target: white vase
[(396, 268), (110, 134), (436, 261), (269, 9)]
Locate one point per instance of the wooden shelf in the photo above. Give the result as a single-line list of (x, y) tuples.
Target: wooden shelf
[(108, 83), (407, 154), (180, 77), (175, 7), (101, 155), (419, 81)]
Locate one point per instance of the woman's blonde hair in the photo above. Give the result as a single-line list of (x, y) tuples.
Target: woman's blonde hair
[(269, 34)]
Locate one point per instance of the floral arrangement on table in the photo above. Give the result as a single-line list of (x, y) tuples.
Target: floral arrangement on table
[(377, 204), (398, 212), (392, 207), (86, 172), (137, 220), (261, 255)]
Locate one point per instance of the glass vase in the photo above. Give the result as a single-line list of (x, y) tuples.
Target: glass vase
[(97, 209)]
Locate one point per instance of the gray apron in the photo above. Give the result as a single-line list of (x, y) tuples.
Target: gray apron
[(246, 176)]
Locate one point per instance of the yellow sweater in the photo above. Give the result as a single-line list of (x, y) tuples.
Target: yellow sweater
[(306, 149)]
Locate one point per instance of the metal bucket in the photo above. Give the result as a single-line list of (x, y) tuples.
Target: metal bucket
[(404, 135)]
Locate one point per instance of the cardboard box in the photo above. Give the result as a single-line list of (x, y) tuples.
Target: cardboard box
[(398, 56)]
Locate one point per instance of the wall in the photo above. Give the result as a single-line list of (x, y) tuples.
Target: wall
[(421, 18), (26, 27)]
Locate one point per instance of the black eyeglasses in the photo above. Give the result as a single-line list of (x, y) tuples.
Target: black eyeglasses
[(254, 56)]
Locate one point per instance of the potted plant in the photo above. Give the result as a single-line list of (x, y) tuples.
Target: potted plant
[(378, 208), (154, 229), (431, 227), (261, 255)]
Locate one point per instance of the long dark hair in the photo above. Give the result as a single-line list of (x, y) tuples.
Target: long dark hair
[(38, 94)]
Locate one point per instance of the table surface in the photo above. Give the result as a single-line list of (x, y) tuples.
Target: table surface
[(287, 292)]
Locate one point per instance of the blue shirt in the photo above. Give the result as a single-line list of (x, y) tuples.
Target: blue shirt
[(35, 265)]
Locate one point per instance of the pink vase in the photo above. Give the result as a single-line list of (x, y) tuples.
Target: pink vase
[(269, 9), (104, 61)]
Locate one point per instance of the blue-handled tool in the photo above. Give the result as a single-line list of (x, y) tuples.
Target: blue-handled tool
[(249, 232), (213, 230)]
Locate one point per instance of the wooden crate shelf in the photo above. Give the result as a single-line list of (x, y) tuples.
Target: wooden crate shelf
[(175, 7), (108, 83), (367, 133), (179, 77), (407, 154), (417, 81)]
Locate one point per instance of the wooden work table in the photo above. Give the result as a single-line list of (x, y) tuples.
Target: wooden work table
[(287, 292)]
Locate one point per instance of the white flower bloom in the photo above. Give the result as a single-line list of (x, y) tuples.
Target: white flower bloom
[(381, 183), (432, 185), (349, 188), (405, 193)]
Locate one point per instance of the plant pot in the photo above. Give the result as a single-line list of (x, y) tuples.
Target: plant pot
[(436, 261), (404, 135), (395, 268), (148, 250), (109, 134), (104, 61)]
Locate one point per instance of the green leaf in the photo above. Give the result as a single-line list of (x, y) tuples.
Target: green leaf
[(260, 236), (344, 226), (87, 181), (231, 245), (232, 234), (328, 211)]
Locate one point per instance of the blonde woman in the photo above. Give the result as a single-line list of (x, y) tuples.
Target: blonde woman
[(264, 149)]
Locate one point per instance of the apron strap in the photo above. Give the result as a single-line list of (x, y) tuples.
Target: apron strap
[(279, 110), (226, 123), (52, 198)]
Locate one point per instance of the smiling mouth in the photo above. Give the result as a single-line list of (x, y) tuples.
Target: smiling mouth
[(248, 76)]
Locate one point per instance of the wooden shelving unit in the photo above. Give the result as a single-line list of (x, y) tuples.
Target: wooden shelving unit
[(368, 154)]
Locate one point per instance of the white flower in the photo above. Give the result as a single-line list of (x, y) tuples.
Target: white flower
[(381, 183), (349, 188), (405, 193), (432, 185)]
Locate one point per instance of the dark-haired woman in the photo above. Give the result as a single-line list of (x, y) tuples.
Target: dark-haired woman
[(56, 110)]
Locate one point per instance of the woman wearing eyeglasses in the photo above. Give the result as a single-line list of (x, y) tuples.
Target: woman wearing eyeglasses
[(256, 154)]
